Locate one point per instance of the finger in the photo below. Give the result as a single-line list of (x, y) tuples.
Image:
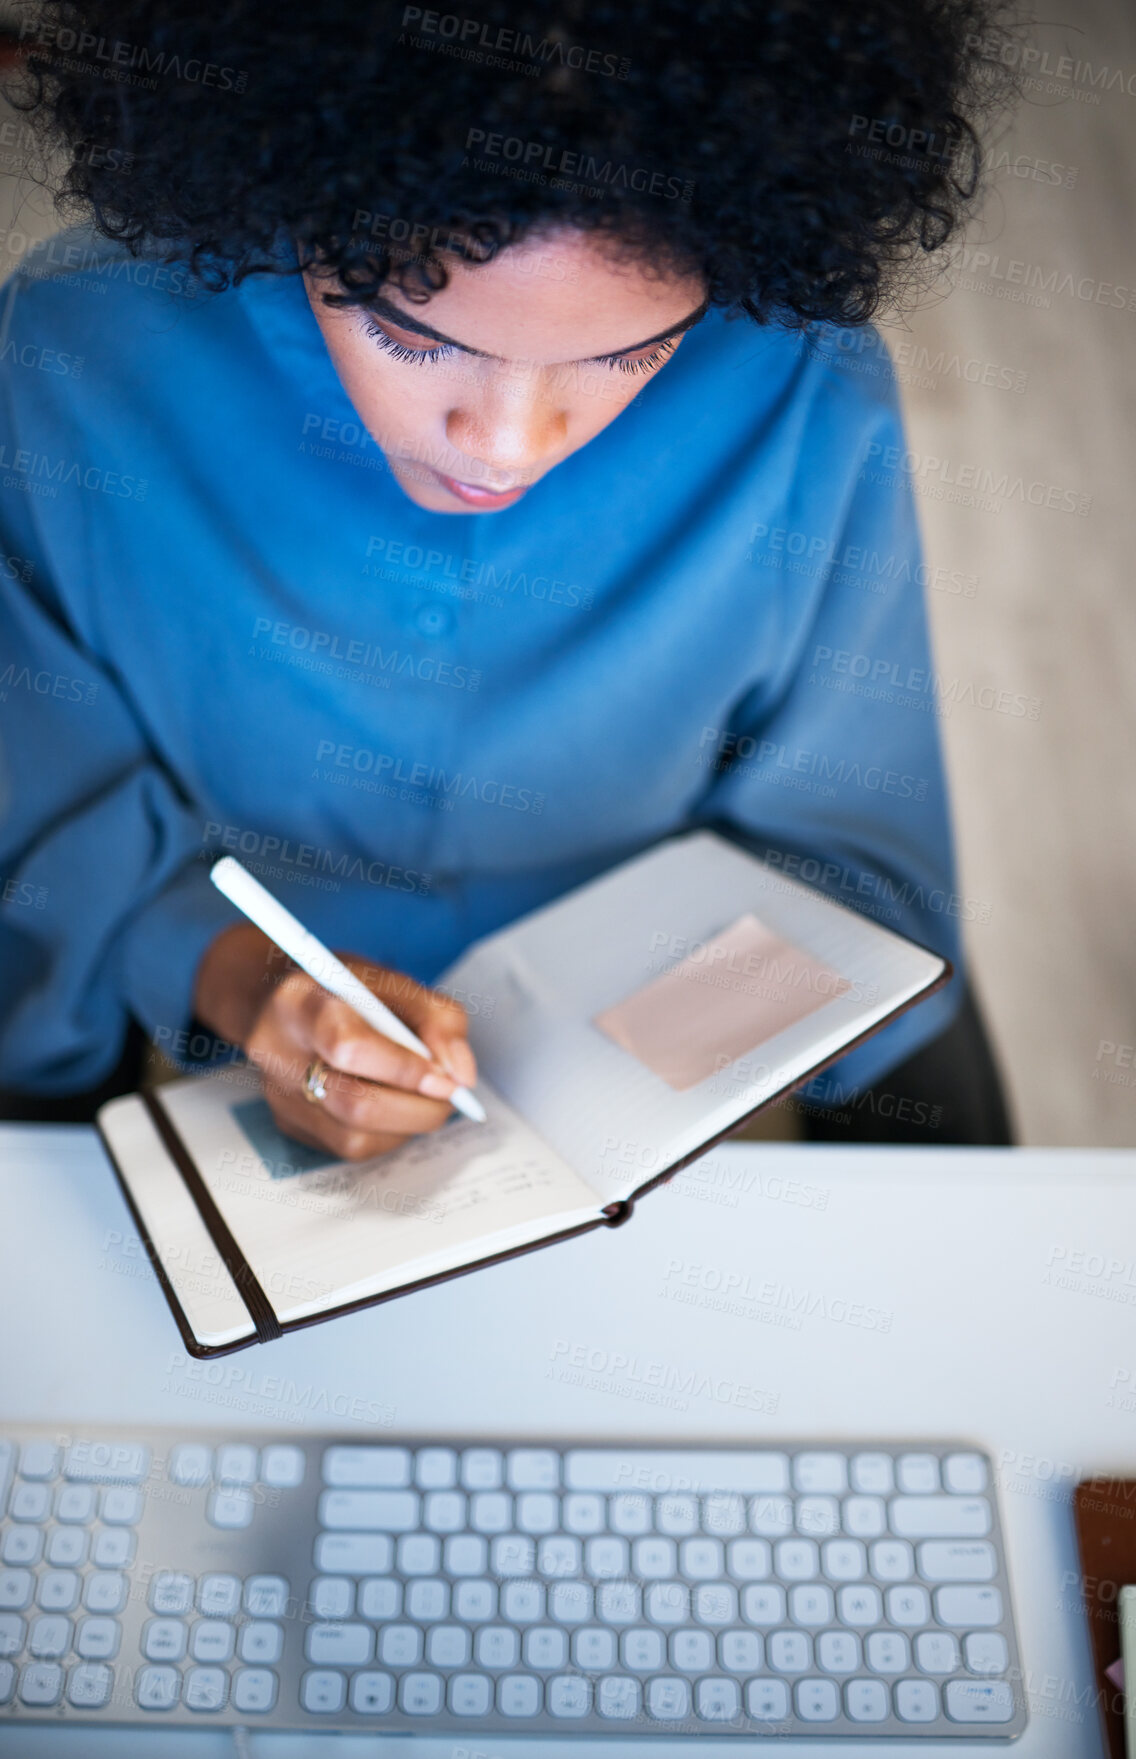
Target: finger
[(364, 1105), (440, 1022), (341, 1039), (314, 1126)]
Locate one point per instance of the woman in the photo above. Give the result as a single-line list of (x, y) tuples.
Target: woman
[(374, 274)]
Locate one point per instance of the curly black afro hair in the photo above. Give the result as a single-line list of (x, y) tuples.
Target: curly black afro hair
[(805, 157)]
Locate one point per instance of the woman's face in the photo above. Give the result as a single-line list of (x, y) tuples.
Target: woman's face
[(517, 363)]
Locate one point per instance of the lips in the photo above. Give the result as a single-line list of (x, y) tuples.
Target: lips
[(474, 495)]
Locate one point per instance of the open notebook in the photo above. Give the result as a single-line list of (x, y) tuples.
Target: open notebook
[(619, 1033)]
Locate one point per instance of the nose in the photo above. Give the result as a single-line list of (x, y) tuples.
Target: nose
[(509, 430)]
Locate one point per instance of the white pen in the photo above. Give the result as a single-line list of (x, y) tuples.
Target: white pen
[(310, 954)]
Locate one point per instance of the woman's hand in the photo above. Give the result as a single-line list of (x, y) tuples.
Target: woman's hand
[(377, 1093)]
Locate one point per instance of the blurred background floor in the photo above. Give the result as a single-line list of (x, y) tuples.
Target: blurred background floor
[(1018, 375)]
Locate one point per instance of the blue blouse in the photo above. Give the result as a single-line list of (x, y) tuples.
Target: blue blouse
[(224, 627)]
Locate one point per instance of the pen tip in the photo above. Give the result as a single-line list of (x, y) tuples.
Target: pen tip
[(469, 1104)]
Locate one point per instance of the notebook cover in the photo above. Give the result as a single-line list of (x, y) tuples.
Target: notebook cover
[(1105, 1512), (613, 1215)]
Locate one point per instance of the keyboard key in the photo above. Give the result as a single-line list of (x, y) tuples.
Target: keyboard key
[(89, 1684), (546, 1648), (450, 1646), (107, 1462), (630, 1515), (838, 1652), (323, 1692), (49, 1637), (370, 1511), (482, 1469), (157, 1688), (936, 1652), (41, 1683), (367, 1468), (666, 1603), (811, 1605), (39, 1459), (957, 1560), (715, 1603), (582, 1513), (213, 1640), (608, 1557), (29, 1502), (892, 1560), (668, 1699), (444, 1511), (236, 1464), (860, 1605), (419, 1554), (767, 1700), (206, 1688), (593, 1649), (978, 1701), (749, 1560), (986, 1652), (12, 1632), (643, 1650), (724, 1516), (400, 1645), (843, 1560), (470, 1694), (261, 1641), (866, 1700), (871, 1474), (818, 1516), (826, 1474), (617, 1697), (677, 1515), (968, 1606), (191, 1465), (888, 1652), (940, 1517), (342, 1645), (537, 1512), (518, 1695), (22, 1545), (67, 1546), (353, 1554), (560, 1556), (171, 1593), (522, 1603), (691, 1651), (427, 1601), (965, 1474), (105, 1591), (219, 1597), (230, 1509), (75, 1502), (909, 1606), (916, 1701), (512, 1556), (796, 1560), (490, 1511), (865, 1517), (475, 1601), (700, 1559), (608, 1470), (420, 1694), (763, 1604), (97, 1639), (121, 1505), (266, 1597), (113, 1548), (532, 1469), (568, 1695), (740, 1651), (497, 1647), (570, 1603), (789, 1651), (436, 1469), (7, 1681), (282, 1467), (254, 1690), (817, 1700), (372, 1694), (332, 1597), (163, 1639), (917, 1474)]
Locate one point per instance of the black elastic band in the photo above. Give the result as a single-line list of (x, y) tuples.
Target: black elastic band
[(259, 1306)]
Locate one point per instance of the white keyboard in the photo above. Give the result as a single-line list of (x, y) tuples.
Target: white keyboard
[(799, 1589)]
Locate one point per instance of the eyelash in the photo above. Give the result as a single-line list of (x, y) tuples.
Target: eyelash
[(418, 356)]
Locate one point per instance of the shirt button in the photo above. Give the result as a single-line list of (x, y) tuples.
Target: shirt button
[(434, 619)]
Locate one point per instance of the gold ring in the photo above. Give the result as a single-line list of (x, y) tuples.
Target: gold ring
[(315, 1083)]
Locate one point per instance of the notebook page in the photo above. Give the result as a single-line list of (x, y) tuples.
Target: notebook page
[(558, 972), (318, 1232)]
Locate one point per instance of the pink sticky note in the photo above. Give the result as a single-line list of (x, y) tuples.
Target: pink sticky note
[(729, 996)]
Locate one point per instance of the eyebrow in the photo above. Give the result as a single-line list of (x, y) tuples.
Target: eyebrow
[(385, 308)]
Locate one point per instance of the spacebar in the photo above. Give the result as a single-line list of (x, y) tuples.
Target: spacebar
[(664, 1471)]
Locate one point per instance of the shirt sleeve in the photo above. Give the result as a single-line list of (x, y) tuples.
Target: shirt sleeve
[(838, 780), (105, 909)]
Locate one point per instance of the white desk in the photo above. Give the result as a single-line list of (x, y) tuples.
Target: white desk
[(959, 1247)]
